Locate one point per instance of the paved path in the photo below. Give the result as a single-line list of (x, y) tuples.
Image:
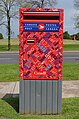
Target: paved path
[(69, 89)]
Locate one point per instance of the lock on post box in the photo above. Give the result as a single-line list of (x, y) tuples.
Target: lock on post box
[(42, 34)]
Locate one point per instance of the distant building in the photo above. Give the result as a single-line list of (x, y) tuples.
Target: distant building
[(73, 37)]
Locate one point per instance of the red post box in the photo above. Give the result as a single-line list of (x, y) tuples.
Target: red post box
[(41, 48)]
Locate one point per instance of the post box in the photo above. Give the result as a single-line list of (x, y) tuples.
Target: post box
[(41, 50)]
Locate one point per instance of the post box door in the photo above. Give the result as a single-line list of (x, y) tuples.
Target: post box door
[(41, 59)]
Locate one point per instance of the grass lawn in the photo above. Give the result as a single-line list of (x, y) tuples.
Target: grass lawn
[(9, 110), (67, 47), (71, 71), (13, 41), (70, 45), (4, 48), (67, 41), (10, 72)]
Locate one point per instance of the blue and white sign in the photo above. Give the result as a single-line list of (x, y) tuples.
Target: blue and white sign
[(41, 27)]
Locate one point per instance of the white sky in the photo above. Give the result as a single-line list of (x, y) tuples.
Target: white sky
[(69, 13)]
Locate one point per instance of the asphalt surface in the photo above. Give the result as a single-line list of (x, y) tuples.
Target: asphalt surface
[(13, 58), (9, 58), (71, 57)]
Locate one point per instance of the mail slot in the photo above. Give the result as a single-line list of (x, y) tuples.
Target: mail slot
[(30, 41), (41, 50)]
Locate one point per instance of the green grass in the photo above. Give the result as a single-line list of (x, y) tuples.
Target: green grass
[(71, 71), (10, 72), (9, 110), (71, 47), (5, 48), (67, 47)]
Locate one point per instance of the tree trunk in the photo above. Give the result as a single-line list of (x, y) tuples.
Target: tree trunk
[(42, 3), (8, 19), (9, 34)]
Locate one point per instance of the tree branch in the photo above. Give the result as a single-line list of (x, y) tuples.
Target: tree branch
[(14, 14), (76, 4), (3, 11), (5, 4), (11, 4), (3, 23), (33, 3)]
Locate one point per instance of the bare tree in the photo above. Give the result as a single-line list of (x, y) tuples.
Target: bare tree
[(7, 12), (38, 3), (76, 5)]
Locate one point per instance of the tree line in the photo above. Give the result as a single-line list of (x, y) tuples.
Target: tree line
[(66, 35)]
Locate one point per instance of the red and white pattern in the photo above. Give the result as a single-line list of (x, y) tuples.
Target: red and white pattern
[(43, 59)]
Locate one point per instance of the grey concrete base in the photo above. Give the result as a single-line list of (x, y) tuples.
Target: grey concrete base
[(40, 97)]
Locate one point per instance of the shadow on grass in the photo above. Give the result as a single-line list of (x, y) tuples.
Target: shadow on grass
[(13, 100)]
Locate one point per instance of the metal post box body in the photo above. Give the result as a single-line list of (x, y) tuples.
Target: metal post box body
[(41, 41), (41, 51)]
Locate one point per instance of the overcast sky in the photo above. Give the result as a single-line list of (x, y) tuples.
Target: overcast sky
[(69, 12), (67, 5)]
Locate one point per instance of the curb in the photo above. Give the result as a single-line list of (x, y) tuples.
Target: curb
[(9, 52), (71, 51)]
